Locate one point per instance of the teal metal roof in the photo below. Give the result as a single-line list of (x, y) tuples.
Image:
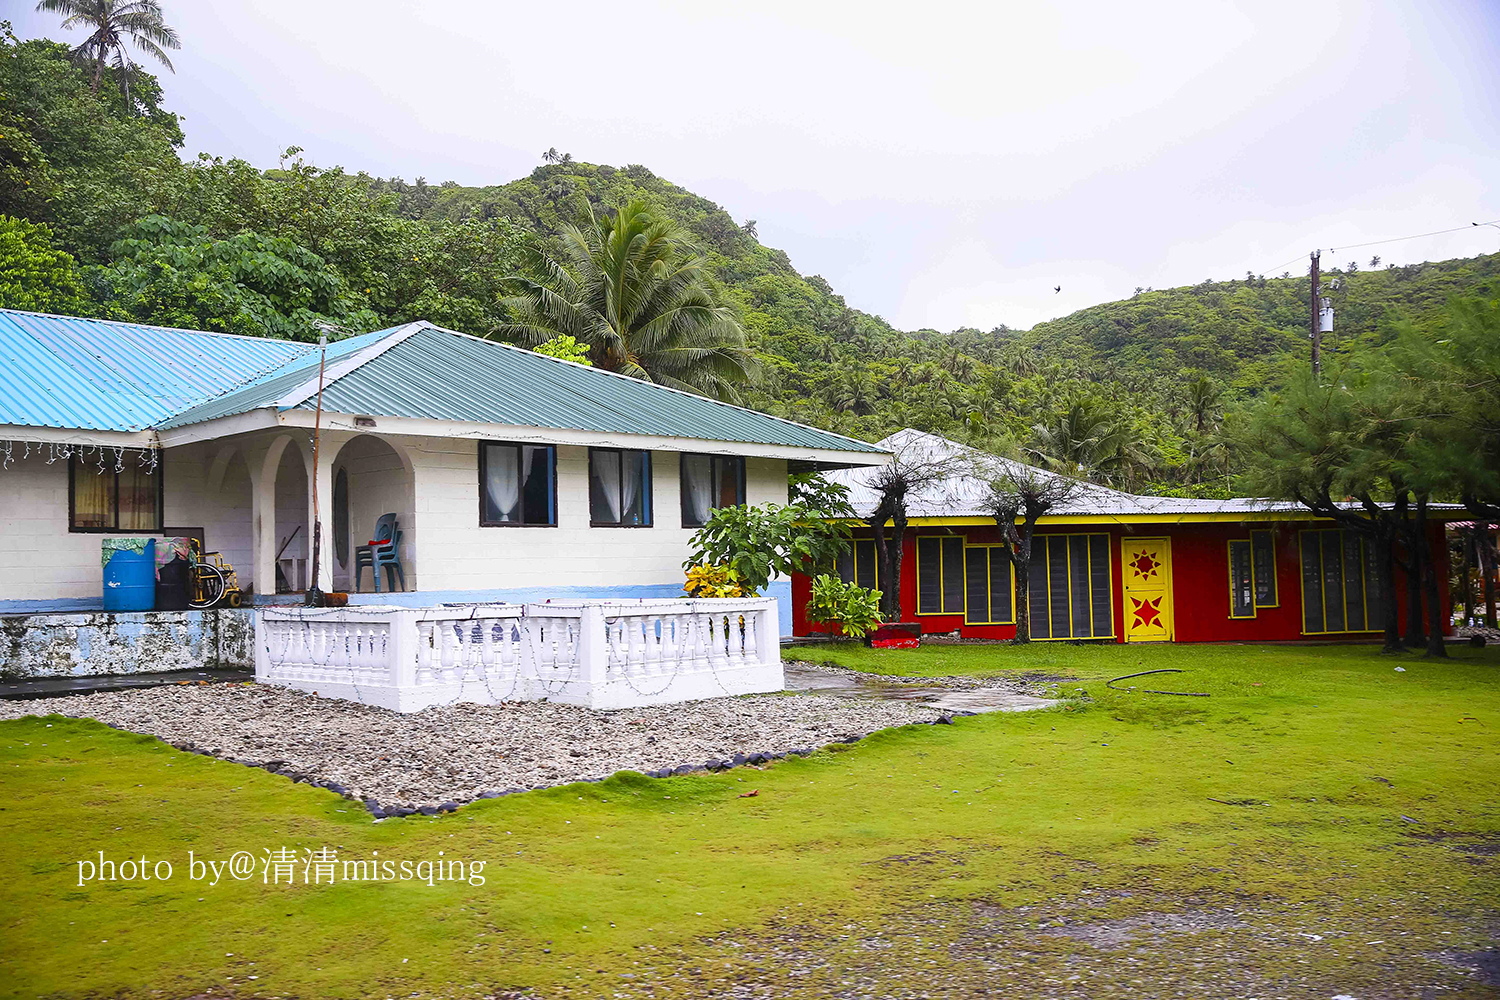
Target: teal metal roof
[(58, 371), (268, 388), (91, 374), (437, 374)]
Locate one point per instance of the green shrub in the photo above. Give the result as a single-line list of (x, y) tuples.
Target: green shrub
[(853, 608)]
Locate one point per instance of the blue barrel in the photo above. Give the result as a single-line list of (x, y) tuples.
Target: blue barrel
[(130, 580)]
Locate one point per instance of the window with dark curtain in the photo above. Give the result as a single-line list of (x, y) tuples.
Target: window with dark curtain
[(1241, 581), (619, 488), (517, 485), (709, 482), (124, 496), (1041, 625)]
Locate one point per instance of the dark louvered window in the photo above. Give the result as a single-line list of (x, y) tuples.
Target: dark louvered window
[(1340, 583), (1069, 593), (1263, 560), (1241, 580), (989, 587), (940, 575)]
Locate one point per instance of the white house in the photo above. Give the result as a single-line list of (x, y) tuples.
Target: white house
[(513, 476)]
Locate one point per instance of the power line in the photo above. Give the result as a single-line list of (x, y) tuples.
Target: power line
[(1397, 239)]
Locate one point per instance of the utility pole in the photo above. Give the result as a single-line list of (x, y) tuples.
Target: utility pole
[(1315, 325)]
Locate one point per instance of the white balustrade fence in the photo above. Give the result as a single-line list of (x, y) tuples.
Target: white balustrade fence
[(601, 654)]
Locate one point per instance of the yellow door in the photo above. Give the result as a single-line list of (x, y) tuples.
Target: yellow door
[(1147, 564)]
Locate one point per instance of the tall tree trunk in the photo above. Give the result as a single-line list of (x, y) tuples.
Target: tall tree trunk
[(1485, 550), (899, 519), (1022, 562), (1386, 568), (877, 522), (1435, 644), (1470, 547), (1415, 637)]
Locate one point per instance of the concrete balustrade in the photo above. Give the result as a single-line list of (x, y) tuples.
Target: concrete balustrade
[(598, 653)]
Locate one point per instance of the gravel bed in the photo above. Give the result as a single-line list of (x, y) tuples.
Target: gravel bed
[(456, 753)]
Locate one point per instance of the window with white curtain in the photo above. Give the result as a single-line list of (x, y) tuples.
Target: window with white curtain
[(710, 482), (619, 488), (517, 485)]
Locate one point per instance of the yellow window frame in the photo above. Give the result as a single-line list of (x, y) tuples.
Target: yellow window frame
[(1364, 572), (1255, 565), (942, 576), (854, 560), (1109, 585), (1249, 544), (988, 580)]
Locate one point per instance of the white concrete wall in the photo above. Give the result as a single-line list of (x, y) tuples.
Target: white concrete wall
[(444, 547), (41, 560), (457, 554)]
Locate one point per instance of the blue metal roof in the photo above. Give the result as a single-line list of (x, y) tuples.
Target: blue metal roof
[(91, 374), (64, 372)]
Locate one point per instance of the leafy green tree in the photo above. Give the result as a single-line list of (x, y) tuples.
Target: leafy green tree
[(566, 348), (765, 541), (82, 162), (633, 288), (174, 274), (113, 22), (1318, 444), (33, 274)]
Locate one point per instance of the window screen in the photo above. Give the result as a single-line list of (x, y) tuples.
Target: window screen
[(940, 575), (710, 482), (619, 488), (1069, 587), (1263, 562), (860, 564), (989, 587), (120, 492), (1241, 580), (1340, 583)]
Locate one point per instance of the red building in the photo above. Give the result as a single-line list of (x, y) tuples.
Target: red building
[(1115, 566)]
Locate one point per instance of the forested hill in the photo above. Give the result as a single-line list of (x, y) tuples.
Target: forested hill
[(840, 367)]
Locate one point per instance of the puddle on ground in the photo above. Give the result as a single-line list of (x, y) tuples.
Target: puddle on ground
[(810, 680)]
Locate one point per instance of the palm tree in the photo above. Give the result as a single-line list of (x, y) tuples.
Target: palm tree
[(113, 22), (634, 289)]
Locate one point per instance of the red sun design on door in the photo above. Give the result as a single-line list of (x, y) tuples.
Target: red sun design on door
[(1147, 612), (1144, 564), (1148, 589)]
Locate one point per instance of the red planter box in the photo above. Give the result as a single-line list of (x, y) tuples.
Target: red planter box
[(895, 635)]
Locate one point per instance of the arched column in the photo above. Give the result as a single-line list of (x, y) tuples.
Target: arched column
[(320, 501), (263, 459), (381, 479)]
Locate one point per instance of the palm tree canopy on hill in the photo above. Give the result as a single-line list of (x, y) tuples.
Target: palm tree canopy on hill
[(633, 288), (113, 22)]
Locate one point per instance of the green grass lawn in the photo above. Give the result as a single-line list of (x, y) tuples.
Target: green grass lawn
[(1103, 806)]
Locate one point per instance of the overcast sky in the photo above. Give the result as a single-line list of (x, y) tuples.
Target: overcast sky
[(940, 164)]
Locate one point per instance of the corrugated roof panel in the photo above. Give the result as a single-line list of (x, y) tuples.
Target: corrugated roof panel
[(964, 491), (271, 386), (65, 371), (500, 384), (60, 371)]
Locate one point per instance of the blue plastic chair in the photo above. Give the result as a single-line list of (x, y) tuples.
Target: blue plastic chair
[(384, 550)]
